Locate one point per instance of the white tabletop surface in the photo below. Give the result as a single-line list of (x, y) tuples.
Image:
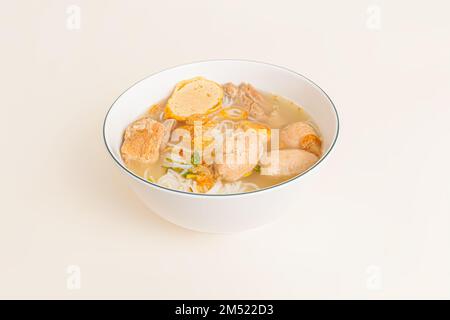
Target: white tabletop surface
[(71, 228)]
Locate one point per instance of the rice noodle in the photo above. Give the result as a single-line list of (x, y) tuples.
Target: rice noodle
[(174, 159), (170, 164), (227, 101), (234, 113), (232, 187), (194, 186), (175, 180), (250, 186)]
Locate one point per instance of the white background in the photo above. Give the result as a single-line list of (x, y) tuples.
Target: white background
[(380, 226)]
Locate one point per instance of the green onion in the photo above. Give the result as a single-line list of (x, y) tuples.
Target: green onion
[(195, 159), (186, 173)]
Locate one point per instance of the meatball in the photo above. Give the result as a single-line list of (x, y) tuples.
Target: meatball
[(290, 162), (300, 135)]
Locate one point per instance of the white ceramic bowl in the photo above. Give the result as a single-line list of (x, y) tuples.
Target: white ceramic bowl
[(221, 213)]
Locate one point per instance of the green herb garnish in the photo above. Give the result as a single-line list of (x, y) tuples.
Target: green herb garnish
[(184, 175), (195, 158)]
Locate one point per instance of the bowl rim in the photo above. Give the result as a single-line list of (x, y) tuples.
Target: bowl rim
[(241, 194)]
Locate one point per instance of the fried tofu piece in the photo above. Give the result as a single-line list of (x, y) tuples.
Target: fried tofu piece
[(290, 162), (301, 135), (196, 96), (142, 141), (248, 97)]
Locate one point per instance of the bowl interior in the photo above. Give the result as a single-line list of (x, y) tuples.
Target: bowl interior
[(137, 99)]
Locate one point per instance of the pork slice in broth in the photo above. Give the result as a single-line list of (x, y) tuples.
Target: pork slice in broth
[(249, 98)]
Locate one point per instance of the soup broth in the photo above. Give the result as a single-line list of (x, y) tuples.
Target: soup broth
[(288, 142)]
